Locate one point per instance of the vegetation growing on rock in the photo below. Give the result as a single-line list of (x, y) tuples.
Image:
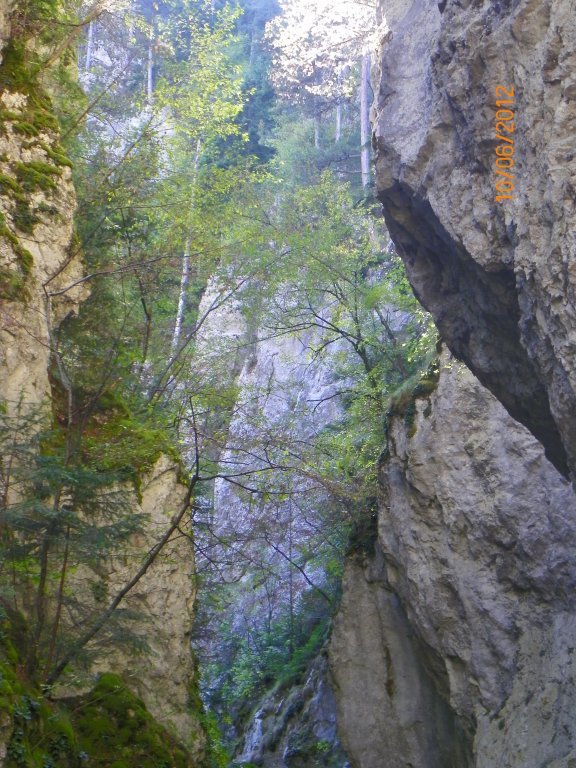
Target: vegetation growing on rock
[(196, 192), (108, 726)]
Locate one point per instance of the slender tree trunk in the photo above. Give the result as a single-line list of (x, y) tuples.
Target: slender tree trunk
[(150, 73), (60, 600), (92, 14), (33, 655), (89, 47), (365, 120), (185, 262), (291, 586), (182, 297), (338, 131), (316, 130)]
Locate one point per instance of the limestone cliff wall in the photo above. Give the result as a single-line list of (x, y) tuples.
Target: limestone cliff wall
[(164, 676), (497, 276), (282, 397), (454, 643), (41, 282), (39, 265)]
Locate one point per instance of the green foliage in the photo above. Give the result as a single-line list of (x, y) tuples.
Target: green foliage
[(122, 436), (42, 735), (109, 724), (364, 532), (297, 251), (271, 656), (331, 282), (317, 271), (113, 727), (217, 755), (403, 402), (304, 750), (57, 515)]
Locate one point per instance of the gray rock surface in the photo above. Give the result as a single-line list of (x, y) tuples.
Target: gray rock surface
[(295, 727), (498, 277), (454, 642)]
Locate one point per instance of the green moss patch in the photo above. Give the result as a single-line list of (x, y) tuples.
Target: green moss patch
[(9, 185), (403, 403), (13, 281), (57, 154), (120, 439), (115, 730), (36, 176), (25, 129), (42, 735), (109, 727), (17, 75), (30, 177)]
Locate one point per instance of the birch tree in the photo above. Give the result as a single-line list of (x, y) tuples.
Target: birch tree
[(316, 47)]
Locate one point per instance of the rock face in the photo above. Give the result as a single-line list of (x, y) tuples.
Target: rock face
[(498, 277), (164, 676), (40, 267), (296, 728), (282, 396), (453, 646), (26, 324)]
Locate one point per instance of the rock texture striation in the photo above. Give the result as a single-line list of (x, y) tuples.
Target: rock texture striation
[(498, 277), (295, 728), (454, 643)]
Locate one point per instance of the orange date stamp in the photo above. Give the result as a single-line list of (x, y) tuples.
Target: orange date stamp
[(504, 119)]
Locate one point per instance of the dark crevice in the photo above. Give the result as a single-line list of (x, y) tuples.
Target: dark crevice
[(476, 312)]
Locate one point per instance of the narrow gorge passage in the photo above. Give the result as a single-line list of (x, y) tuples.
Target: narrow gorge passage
[(287, 410)]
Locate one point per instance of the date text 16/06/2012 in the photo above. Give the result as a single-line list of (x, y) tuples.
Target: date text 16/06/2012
[(505, 149)]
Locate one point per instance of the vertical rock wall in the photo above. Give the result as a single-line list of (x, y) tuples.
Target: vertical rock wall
[(164, 676), (283, 397), (498, 277), (40, 265), (295, 727), (40, 283), (454, 642)]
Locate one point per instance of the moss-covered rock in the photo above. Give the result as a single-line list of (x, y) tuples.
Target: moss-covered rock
[(35, 176), (109, 727), (26, 113), (115, 730), (403, 403)]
